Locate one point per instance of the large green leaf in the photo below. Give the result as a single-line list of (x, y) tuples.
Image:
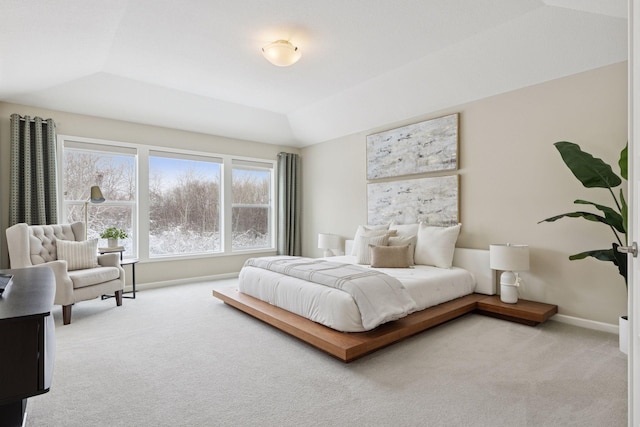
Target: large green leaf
[(621, 261), (601, 254), (586, 215), (610, 255), (612, 217), (590, 171), (624, 162)]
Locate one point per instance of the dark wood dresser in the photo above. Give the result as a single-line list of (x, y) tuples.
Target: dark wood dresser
[(27, 341)]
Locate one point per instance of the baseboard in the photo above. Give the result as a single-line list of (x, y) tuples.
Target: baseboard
[(562, 318), (153, 285), (584, 323)]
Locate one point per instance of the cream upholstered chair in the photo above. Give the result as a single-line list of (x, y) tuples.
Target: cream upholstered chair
[(81, 274)]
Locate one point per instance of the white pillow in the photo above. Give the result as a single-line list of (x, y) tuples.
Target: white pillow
[(79, 255), (362, 229), (405, 229), (435, 245), (405, 241), (364, 254)]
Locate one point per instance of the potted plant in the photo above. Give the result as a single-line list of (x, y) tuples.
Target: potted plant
[(112, 234), (593, 172)]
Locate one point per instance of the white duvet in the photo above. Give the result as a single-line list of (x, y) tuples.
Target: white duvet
[(427, 286)]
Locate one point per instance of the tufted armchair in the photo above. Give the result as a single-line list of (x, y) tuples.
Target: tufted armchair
[(81, 274)]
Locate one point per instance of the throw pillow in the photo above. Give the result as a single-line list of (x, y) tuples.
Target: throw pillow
[(405, 241), (364, 257), (390, 256), (362, 229), (405, 229), (435, 245), (79, 255)]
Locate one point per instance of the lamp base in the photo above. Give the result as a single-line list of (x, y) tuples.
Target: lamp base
[(328, 253), (508, 288)]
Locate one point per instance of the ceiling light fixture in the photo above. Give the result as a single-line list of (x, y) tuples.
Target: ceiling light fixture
[(281, 53)]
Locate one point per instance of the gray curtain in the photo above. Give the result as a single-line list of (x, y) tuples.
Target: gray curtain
[(33, 171), (289, 202)]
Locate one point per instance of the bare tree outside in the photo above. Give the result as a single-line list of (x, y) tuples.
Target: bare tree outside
[(115, 175), (251, 208), (185, 206)]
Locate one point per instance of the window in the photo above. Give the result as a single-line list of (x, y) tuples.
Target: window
[(184, 204), (114, 171), (251, 191), (171, 202)]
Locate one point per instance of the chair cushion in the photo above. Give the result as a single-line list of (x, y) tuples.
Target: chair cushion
[(93, 276), (42, 241), (79, 255)]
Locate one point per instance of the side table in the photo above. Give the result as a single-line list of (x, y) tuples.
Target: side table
[(109, 250), (132, 262), (528, 312), (128, 261)]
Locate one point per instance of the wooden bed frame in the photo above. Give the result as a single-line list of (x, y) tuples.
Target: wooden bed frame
[(350, 346), (343, 345)]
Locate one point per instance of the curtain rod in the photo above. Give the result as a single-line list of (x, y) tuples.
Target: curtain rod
[(22, 119)]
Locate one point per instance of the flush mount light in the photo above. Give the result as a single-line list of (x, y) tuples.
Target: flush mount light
[(281, 53)]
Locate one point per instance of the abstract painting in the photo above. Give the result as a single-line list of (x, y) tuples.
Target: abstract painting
[(427, 146), (431, 200)]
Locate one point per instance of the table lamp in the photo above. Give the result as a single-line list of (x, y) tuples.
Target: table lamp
[(509, 259), (328, 242)]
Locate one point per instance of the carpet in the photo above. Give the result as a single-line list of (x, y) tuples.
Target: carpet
[(177, 356)]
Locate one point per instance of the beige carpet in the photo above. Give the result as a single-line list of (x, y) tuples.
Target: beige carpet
[(179, 357)]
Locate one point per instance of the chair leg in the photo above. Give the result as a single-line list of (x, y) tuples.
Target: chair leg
[(119, 298), (66, 314)]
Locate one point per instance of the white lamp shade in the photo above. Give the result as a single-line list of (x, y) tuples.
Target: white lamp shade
[(328, 241), (509, 257), (281, 53)]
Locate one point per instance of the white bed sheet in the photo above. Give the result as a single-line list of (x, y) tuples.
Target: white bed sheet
[(428, 286)]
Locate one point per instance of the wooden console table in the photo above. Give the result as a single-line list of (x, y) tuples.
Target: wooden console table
[(27, 340)]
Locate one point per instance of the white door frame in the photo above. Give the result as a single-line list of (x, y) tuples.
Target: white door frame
[(634, 213)]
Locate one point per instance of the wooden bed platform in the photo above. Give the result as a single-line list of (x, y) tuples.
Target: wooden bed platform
[(342, 345)]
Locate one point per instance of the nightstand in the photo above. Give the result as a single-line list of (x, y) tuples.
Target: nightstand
[(528, 312)]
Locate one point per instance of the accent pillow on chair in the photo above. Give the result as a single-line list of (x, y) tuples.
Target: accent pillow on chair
[(79, 255)]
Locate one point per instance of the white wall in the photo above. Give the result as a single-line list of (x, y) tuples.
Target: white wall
[(511, 178), (96, 127)]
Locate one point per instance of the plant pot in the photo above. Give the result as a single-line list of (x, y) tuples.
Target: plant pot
[(623, 323), (112, 243)]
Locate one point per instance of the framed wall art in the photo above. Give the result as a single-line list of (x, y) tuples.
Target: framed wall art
[(432, 200), (428, 146)]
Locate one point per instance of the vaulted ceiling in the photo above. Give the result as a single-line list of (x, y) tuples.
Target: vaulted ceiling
[(197, 64)]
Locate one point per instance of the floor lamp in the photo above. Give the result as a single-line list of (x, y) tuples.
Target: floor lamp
[(95, 197)]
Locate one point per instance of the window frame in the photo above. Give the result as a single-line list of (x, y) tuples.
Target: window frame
[(261, 166), (192, 156), (99, 148), (140, 222)]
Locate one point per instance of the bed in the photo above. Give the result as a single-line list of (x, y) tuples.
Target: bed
[(330, 320)]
